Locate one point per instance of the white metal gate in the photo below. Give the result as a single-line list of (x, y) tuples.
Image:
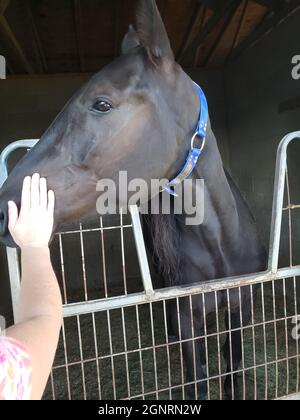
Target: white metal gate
[(118, 347)]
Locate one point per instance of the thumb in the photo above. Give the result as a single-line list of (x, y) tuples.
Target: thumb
[(12, 215)]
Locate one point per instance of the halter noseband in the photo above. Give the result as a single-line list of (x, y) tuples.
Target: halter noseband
[(194, 152)]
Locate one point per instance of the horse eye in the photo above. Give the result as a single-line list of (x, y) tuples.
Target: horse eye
[(102, 106)]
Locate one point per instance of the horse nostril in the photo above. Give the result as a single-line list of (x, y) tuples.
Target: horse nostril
[(2, 223)]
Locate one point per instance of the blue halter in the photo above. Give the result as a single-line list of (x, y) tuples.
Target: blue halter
[(194, 152)]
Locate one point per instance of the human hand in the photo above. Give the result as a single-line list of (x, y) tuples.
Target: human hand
[(33, 226)]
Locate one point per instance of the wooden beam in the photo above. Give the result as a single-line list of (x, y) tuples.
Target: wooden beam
[(236, 38), (210, 25), (3, 6), (13, 47), (230, 15), (191, 27), (38, 49), (268, 24), (79, 35)]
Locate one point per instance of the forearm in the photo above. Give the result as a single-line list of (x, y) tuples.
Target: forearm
[(39, 316), (40, 294)]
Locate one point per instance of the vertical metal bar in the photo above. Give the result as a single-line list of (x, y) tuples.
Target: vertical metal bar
[(12, 253), (141, 250), (275, 338), (168, 349), (180, 347), (52, 385), (123, 253), (193, 342), (15, 277), (291, 264), (253, 341), (66, 360), (103, 258), (265, 340), (219, 346), (277, 209), (126, 354), (206, 346), (62, 265), (140, 350), (230, 341), (286, 338), (111, 355), (278, 200), (289, 217), (83, 263), (297, 341), (154, 351), (81, 358), (97, 356), (242, 344)]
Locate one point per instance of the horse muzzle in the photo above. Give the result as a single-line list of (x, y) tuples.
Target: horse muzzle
[(5, 236)]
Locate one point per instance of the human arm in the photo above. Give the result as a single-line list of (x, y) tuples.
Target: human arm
[(39, 311)]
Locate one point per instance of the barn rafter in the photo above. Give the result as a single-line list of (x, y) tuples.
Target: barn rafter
[(87, 35), (11, 44), (270, 22)]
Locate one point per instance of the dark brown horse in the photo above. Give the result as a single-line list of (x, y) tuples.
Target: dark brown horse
[(138, 115)]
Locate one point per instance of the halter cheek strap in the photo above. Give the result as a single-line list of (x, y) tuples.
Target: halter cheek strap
[(194, 152)]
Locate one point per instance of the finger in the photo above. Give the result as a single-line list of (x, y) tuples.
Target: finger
[(35, 191), (43, 193), (25, 198), (12, 215), (51, 202)]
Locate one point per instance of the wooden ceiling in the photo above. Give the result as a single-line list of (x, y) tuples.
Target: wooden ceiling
[(71, 36)]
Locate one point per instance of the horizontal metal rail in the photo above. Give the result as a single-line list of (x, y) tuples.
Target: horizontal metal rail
[(292, 397), (174, 292)]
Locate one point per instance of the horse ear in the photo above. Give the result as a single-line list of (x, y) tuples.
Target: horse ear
[(130, 41), (152, 32)]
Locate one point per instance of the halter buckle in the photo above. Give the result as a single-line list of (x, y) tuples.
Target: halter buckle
[(194, 139)]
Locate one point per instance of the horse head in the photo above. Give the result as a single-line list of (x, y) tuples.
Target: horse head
[(135, 115)]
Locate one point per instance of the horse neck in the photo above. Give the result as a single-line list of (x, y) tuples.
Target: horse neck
[(171, 240), (221, 214), (220, 202), (227, 240)]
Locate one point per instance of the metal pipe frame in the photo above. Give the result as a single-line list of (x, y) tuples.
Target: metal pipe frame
[(149, 293), (151, 296), (12, 253)]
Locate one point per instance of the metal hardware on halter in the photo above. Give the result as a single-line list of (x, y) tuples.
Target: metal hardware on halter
[(193, 142)]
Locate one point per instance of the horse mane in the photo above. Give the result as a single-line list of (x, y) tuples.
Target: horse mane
[(164, 235)]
